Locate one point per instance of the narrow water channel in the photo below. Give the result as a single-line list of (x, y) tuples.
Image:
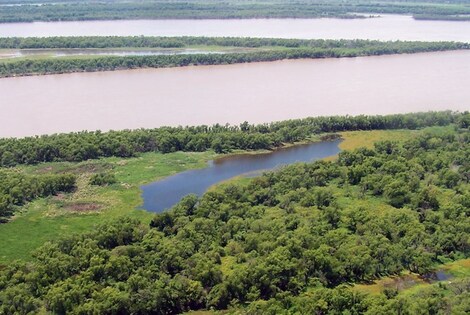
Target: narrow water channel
[(387, 27), (163, 194), (19, 53)]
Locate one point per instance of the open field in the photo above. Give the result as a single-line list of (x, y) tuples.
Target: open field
[(356, 139), (46, 219)]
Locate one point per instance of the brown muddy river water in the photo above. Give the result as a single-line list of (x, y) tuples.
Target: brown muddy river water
[(259, 92), (387, 27)]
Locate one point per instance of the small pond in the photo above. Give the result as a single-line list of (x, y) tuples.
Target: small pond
[(165, 193)]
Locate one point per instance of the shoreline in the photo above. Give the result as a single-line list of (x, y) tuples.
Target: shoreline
[(146, 68)]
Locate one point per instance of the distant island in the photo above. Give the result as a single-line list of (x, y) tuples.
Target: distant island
[(72, 10), (165, 52)]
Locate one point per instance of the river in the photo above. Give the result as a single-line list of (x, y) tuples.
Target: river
[(387, 27), (163, 194), (258, 92)]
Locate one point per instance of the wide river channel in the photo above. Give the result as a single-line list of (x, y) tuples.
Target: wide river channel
[(258, 92), (387, 27), (165, 193)]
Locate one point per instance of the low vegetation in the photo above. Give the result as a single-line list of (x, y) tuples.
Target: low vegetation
[(17, 189), (192, 41), (289, 241), (103, 179), (266, 50), (87, 205)]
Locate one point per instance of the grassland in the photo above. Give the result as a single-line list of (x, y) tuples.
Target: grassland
[(48, 218), (409, 283), (356, 139)]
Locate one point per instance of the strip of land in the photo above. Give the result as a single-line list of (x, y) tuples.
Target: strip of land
[(38, 56), (30, 11)]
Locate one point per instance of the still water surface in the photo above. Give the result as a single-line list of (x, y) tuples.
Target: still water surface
[(18, 53), (387, 27), (165, 193), (259, 92)]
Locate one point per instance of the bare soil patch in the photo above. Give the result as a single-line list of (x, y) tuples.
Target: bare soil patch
[(83, 206)]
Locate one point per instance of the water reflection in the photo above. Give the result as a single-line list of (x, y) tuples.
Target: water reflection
[(102, 52), (163, 194), (387, 27), (257, 92)]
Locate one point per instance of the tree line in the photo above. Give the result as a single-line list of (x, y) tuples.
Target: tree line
[(91, 63), (287, 242), (80, 146), (79, 11), (188, 41), (16, 189)]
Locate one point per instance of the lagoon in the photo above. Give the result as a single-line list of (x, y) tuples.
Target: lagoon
[(165, 193)]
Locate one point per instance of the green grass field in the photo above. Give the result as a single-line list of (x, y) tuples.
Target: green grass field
[(356, 139), (49, 218)]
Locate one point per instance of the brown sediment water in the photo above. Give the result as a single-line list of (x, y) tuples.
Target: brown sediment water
[(387, 27), (257, 92)]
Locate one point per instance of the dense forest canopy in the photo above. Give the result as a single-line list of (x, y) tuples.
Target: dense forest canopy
[(221, 138), (289, 241), (269, 50), (188, 41), (199, 9)]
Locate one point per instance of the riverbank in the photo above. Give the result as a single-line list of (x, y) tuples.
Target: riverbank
[(50, 11), (43, 64)]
